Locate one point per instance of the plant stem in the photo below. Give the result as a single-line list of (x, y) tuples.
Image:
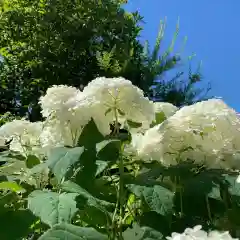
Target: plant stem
[(208, 209), (181, 196), (116, 128), (121, 195)]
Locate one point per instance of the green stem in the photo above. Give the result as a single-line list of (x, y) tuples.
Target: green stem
[(121, 195), (181, 196), (116, 128), (208, 209)]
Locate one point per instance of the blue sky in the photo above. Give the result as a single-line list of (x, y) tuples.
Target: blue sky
[(213, 32)]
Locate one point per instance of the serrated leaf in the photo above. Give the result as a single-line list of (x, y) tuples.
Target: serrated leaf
[(12, 186), (158, 198), (132, 124), (32, 161), (90, 135), (108, 150), (68, 231), (62, 160), (90, 199), (51, 207)]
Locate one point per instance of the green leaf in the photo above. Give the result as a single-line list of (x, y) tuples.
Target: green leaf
[(7, 198), (108, 111), (68, 231), (12, 155), (121, 112), (32, 161), (52, 207), (12, 167), (158, 198), (108, 150), (233, 186), (12, 186), (94, 211), (132, 124), (62, 160), (202, 184), (16, 224), (141, 233), (88, 168), (90, 199), (90, 135), (101, 166)]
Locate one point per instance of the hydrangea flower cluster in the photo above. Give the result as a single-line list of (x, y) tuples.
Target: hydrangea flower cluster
[(67, 110), (206, 132), (197, 233), (24, 135)]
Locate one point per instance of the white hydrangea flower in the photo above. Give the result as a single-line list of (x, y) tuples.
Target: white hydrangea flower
[(51, 136), (13, 128), (148, 146), (24, 135), (56, 101), (167, 108), (197, 233), (84, 107), (205, 132), (121, 94), (68, 110)]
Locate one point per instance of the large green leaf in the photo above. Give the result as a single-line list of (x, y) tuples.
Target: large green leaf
[(16, 224), (90, 135), (62, 160), (202, 184), (12, 186), (90, 199), (93, 210), (141, 233), (158, 198), (108, 150), (52, 207), (66, 231)]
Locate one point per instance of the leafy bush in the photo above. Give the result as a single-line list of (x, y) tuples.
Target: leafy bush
[(107, 163)]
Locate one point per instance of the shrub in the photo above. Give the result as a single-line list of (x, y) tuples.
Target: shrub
[(157, 171)]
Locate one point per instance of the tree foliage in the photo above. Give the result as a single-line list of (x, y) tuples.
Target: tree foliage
[(52, 42)]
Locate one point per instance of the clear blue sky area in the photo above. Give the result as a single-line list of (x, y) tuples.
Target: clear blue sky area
[(212, 28)]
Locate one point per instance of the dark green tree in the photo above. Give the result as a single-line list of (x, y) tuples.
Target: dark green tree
[(63, 42), (52, 42), (180, 90)]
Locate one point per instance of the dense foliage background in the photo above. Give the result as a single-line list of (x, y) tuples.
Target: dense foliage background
[(50, 42)]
